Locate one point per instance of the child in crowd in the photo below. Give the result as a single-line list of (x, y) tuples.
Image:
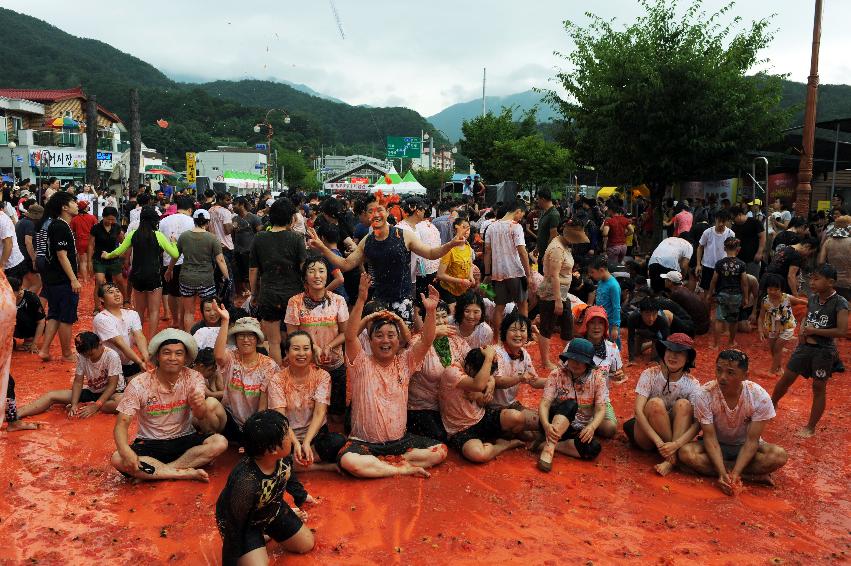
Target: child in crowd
[(608, 295), (816, 357), (730, 288), (30, 321), (664, 416), (251, 506), (205, 364), (98, 382), (732, 447), (301, 391), (474, 431), (573, 405), (776, 319)]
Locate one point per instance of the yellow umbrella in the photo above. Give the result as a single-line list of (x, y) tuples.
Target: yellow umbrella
[(641, 190), (606, 192)]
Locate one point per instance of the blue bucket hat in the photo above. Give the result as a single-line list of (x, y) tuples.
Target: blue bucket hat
[(579, 349)]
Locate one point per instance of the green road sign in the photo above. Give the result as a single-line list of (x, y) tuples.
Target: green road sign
[(398, 147)]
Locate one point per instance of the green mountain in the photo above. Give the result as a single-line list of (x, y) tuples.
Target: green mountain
[(450, 119), (200, 116)]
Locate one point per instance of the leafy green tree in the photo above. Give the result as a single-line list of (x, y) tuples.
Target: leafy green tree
[(532, 161), (433, 178), (668, 98), (481, 134)]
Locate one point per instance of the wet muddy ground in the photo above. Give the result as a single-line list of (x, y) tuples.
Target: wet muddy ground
[(61, 503)]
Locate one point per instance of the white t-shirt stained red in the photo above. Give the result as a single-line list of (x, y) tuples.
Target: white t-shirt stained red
[(244, 384), (96, 374), (163, 413), (108, 326), (298, 400), (731, 425), (503, 237)]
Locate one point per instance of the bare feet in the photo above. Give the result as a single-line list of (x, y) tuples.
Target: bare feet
[(663, 468), (509, 444), (414, 471), (196, 474), (43, 356), (15, 426), (762, 479), (69, 358), (805, 432)]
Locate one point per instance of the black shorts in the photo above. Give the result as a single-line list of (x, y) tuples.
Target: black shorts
[(817, 362), (239, 543), (130, 370), (550, 322), (390, 448), (327, 444), (232, 431), (145, 283), (89, 396), (446, 296), (427, 423), (62, 302), (338, 390), (706, 274), (730, 452), (510, 291), (167, 451), (171, 288), (19, 271), (488, 428), (273, 307)]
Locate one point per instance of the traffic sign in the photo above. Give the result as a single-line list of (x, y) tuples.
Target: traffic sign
[(260, 147), (398, 147)]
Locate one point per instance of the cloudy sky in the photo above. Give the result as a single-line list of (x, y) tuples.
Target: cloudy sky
[(423, 55)]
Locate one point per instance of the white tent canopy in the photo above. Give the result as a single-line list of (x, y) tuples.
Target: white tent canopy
[(406, 188)]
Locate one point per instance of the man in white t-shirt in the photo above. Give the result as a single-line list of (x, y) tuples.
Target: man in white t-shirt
[(506, 261), (732, 413), (121, 329), (221, 226), (142, 200), (672, 254), (172, 227), (11, 257), (711, 248)]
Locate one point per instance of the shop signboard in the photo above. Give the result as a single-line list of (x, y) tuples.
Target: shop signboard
[(782, 186), (59, 158), (191, 164)]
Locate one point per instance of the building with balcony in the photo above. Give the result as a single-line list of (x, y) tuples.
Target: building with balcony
[(443, 159), (47, 129)]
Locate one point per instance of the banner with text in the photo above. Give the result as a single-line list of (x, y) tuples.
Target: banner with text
[(59, 158)]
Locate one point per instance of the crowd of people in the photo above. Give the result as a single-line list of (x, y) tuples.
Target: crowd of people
[(372, 335)]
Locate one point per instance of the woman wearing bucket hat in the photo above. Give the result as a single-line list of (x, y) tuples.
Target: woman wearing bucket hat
[(607, 357), (245, 371), (554, 304), (168, 403), (573, 405), (664, 416)]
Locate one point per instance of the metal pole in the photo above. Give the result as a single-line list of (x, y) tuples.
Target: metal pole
[(430, 151), (805, 168), (835, 155), (268, 155), (484, 81)]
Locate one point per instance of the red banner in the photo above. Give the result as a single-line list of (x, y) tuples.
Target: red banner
[(782, 185)]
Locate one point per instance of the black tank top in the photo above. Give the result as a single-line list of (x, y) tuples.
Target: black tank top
[(389, 265)]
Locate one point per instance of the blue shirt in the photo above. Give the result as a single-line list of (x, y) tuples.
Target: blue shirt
[(609, 297)]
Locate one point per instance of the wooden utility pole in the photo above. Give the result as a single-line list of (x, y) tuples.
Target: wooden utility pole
[(92, 140), (135, 143), (805, 168)]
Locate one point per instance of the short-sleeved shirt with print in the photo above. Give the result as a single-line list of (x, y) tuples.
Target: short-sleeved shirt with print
[(96, 374), (503, 237), (481, 336), (824, 315), (652, 383), (507, 366), (731, 424), (163, 413), (244, 384), (610, 364), (588, 391), (298, 400), (107, 326), (321, 321), (729, 270), (423, 391), (380, 396), (457, 411)]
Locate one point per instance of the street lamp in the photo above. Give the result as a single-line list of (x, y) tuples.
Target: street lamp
[(12, 145), (269, 133)]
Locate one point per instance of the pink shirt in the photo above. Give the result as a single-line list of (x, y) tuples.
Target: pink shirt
[(321, 322), (457, 411), (380, 396), (423, 391), (163, 413), (682, 222), (219, 217), (244, 384), (297, 400)]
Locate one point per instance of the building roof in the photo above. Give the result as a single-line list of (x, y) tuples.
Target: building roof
[(54, 95)]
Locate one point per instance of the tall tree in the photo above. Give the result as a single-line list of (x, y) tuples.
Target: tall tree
[(668, 97), (92, 140), (532, 161), (483, 132), (133, 175)]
